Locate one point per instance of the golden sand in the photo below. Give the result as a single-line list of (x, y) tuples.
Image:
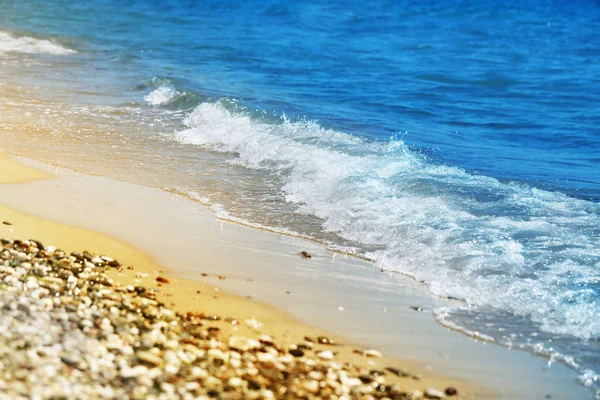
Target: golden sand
[(185, 295)]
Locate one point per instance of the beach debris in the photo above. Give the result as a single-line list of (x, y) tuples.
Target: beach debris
[(266, 340), (296, 352), (253, 323), (110, 261), (162, 279), (433, 394), (149, 358), (450, 391), (325, 355), (416, 308), (305, 346), (368, 353), (324, 340), (6, 223), (397, 372), (65, 324), (305, 254)]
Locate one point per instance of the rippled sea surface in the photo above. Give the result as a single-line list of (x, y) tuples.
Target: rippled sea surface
[(455, 142)]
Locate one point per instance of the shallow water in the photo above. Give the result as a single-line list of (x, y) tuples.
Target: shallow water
[(454, 142)]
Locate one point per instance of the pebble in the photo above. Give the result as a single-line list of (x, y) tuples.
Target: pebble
[(397, 372), (305, 254), (311, 386), (433, 394), (325, 355), (450, 391), (325, 340), (67, 328), (253, 323), (149, 358), (372, 353), (296, 352), (243, 344)]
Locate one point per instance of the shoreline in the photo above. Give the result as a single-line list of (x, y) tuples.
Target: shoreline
[(424, 337), (161, 352), (194, 296)]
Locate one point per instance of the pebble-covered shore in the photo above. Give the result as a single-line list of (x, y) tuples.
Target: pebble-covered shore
[(68, 331)]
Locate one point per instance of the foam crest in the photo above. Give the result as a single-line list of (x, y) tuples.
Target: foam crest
[(161, 95), (507, 246), (29, 45)]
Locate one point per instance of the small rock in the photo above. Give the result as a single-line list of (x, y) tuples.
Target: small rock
[(243, 344), (72, 361), (397, 372), (305, 254), (311, 386), (253, 385), (433, 394), (6, 223), (149, 358), (265, 357), (97, 260), (416, 394), (296, 352), (162, 279), (252, 323), (324, 340), (266, 340), (325, 355), (372, 353), (450, 391), (234, 382)]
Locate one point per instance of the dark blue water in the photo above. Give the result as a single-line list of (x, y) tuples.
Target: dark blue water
[(457, 142), (502, 89)]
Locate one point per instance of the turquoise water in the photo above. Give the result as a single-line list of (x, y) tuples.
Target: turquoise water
[(456, 142)]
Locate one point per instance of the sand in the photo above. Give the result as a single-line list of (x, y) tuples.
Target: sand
[(191, 295)]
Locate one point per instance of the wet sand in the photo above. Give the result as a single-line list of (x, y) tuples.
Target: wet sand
[(333, 292), (182, 294)]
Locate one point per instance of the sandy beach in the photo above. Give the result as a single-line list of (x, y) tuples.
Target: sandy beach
[(298, 199), (206, 259), (82, 212), (182, 295)]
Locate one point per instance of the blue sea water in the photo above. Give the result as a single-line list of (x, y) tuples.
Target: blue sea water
[(455, 142)]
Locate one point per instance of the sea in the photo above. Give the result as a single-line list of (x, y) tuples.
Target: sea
[(455, 142)]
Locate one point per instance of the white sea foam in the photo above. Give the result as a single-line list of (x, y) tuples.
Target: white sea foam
[(29, 45), (161, 95), (508, 246)]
